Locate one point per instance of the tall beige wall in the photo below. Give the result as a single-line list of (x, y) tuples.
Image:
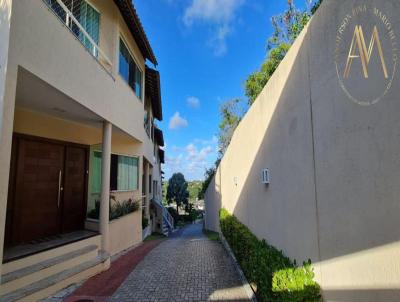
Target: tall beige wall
[(333, 158)]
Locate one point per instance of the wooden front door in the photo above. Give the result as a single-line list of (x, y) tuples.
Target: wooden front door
[(74, 197), (48, 185)]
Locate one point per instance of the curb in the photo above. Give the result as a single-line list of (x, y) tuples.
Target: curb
[(250, 293)]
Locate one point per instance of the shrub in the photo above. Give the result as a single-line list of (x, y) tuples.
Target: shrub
[(275, 276), (117, 210), (145, 222), (174, 214)]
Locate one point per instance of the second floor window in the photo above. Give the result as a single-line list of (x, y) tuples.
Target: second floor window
[(129, 70), (78, 15), (90, 20)]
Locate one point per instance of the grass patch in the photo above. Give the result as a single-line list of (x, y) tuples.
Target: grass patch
[(214, 236), (155, 236)]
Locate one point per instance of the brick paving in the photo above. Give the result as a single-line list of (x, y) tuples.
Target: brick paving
[(100, 287), (187, 267)]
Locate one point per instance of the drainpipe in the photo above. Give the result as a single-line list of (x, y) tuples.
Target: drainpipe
[(105, 187)]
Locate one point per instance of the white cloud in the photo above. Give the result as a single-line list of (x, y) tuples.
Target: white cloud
[(219, 13), (193, 102), (177, 122), (218, 42), (216, 11), (193, 159)]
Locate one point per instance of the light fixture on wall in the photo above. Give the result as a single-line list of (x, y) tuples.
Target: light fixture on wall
[(265, 177)]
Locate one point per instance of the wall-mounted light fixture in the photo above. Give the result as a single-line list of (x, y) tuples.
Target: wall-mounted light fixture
[(266, 177)]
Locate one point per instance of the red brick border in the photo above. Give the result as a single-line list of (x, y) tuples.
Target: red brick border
[(103, 285)]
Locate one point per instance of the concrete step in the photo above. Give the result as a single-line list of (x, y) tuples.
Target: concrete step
[(50, 253), (24, 276), (51, 284)]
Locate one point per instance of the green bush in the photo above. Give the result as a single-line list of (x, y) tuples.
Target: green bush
[(274, 276), (117, 210), (145, 222), (174, 214)]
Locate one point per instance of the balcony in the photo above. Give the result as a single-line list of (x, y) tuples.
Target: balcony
[(71, 65), (83, 22)]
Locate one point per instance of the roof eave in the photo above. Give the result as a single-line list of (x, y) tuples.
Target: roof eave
[(132, 20)]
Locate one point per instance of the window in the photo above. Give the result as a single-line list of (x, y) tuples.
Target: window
[(150, 183), (155, 189), (129, 70), (86, 15), (124, 173), (90, 21)]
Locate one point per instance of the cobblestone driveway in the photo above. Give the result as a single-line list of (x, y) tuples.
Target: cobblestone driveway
[(189, 267)]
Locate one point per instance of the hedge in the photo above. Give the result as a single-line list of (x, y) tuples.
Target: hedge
[(273, 275)]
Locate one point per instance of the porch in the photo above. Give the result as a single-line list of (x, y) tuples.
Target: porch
[(66, 162)]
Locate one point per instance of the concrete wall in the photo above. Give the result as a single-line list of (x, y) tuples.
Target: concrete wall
[(125, 231), (333, 158)]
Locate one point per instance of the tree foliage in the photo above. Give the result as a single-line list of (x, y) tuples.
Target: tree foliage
[(231, 113), (177, 191), (194, 188), (287, 27), (208, 175)]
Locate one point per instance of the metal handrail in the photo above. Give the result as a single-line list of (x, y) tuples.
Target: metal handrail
[(70, 15), (166, 215)]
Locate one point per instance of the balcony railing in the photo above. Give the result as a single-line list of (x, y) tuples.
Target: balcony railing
[(79, 17)]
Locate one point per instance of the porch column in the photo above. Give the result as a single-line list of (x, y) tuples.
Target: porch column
[(6, 111), (5, 17), (147, 186), (105, 187)]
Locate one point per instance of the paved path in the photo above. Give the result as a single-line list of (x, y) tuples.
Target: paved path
[(188, 267)]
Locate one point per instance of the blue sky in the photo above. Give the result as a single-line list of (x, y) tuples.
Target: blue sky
[(205, 50)]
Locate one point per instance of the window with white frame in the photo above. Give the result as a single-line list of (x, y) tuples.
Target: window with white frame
[(87, 16)]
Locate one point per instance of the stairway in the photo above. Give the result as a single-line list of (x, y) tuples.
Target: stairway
[(38, 276), (165, 228)]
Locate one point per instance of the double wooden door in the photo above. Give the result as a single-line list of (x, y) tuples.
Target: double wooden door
[(48, 189)]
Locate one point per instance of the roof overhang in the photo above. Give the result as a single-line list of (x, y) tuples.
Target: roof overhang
[(161, 154), (153, 91), (159, 137), (132, 20)]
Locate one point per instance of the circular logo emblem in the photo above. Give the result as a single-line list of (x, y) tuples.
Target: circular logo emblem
[(366, 55)]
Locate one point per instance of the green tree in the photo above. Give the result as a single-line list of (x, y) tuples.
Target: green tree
[(287, 27), (194, 187), (177, 190), (231, 113), (257, 80), (208, 175)]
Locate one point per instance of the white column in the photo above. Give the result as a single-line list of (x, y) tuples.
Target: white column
[(105, 187), (5, 123), (146, 179), (5, 17)]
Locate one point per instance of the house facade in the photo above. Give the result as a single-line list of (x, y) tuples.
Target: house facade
[(79, 141)]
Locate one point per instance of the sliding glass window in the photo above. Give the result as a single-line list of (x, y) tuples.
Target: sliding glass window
[(129, 70)]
